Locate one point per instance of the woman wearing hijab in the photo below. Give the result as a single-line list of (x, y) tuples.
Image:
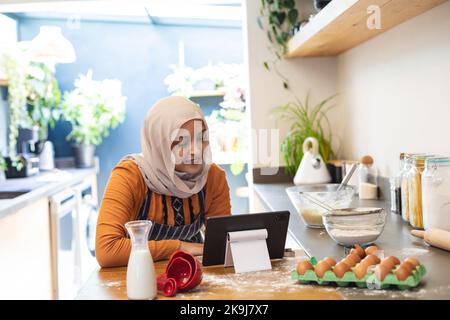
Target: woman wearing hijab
[(172, 182)]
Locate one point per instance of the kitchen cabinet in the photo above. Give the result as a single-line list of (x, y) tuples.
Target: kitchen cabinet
[(73, 215), (25, 261), (47, 244)]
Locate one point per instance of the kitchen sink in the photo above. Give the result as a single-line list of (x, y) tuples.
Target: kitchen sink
[(4, 195)]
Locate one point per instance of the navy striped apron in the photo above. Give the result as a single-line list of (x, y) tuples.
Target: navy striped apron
[(179, 231)]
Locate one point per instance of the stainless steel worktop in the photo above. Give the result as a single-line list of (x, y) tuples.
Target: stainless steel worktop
[(395, 240)]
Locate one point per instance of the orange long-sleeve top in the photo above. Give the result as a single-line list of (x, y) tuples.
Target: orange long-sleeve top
[(123, 197)]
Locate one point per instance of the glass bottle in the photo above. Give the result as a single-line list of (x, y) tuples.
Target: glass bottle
[(396, 199), (404, 191), (368, 179), (396, 205), (141, 277)]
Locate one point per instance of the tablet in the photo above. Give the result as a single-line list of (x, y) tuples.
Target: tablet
[(218, 227)]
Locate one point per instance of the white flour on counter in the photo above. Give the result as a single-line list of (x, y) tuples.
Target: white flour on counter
[(407, 252), (440, 292), (113, 284), (350, 237), (276, 280)]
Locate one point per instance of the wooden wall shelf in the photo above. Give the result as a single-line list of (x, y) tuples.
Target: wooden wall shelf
[(207, 93), (342, 25)]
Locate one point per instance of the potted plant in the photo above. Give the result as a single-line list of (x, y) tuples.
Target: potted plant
[(93, 108), (306, 121), (33, 98)]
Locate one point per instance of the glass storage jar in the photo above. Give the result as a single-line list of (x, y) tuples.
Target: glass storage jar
[(368, 179), (436, 193), (415, 191), (404, 186)]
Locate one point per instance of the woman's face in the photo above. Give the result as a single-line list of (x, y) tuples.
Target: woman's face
[(188, 147)]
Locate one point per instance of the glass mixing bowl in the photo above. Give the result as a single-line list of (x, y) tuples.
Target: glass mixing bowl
[(310, 212), (355, 225)]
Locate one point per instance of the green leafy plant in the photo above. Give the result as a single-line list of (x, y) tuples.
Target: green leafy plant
[(92, 108), (43, 97), (306, 121), (33, 97), (15, 65), (277, 18)]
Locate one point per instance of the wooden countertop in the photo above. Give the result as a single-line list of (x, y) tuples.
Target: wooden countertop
[(218, 283)]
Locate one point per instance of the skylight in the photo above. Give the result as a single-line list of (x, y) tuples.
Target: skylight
[(157, 11)]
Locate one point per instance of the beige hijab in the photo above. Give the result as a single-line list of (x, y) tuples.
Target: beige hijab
[(156, 162)]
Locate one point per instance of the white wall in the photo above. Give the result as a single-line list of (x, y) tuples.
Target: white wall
[(396, 91), (265, 88)]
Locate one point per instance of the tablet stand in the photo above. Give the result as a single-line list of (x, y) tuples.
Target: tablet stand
[(247, 251)]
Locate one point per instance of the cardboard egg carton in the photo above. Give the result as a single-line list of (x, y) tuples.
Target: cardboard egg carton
[(368, 281)]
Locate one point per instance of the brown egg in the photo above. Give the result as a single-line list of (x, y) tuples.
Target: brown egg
[(321, 268), (402, 273), (408, 265), (359, 251), (381, 271), (348, 262), (353, 259), (371, 250), (340, 269), (390, 262), (303, 266), (370, 260), (414, 261), (330, 261), (360, 270)]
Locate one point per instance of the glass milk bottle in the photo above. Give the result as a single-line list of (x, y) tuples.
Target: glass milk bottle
[(141, 276)]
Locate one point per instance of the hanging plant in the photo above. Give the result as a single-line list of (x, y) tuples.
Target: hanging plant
[(16, 69), (43, 96), (33, 98), (277, 18)]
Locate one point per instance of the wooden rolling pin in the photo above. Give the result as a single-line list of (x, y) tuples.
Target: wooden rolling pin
[(435, 237)]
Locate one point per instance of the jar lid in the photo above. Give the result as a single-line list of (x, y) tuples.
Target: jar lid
[(420, 159), (367, 160), (438, 161), (408, 156)]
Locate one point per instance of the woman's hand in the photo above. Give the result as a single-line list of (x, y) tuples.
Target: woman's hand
[(195, 249)]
